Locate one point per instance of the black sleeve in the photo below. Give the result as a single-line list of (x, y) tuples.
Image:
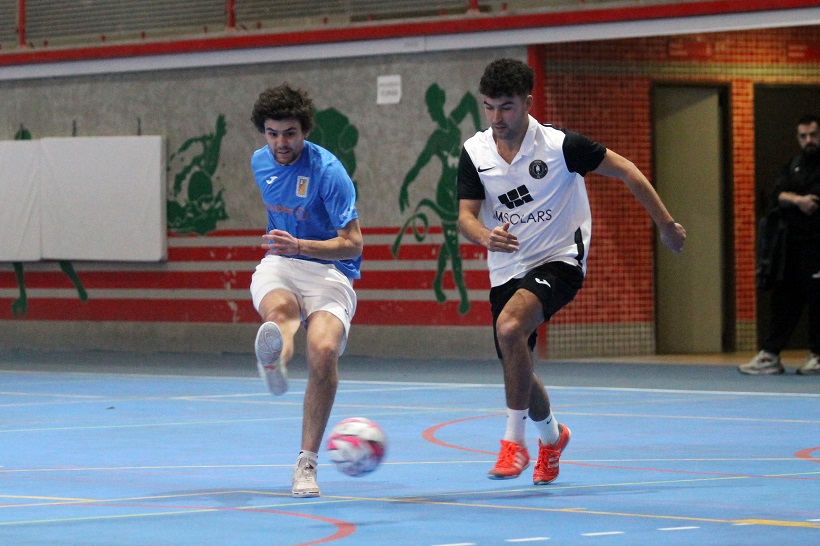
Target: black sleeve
[(469, 184), (783, 181), (582, 154)]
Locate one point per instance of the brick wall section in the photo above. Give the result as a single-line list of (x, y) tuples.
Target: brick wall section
[(603, 89)]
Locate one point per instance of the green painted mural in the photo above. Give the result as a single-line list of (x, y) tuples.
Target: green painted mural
[(192, 206), (444, 144), (19, 307), (333, 131)]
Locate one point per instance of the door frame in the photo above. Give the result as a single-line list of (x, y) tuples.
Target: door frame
[(727, 221)]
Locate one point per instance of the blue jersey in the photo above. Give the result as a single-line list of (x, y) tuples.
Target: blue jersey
[(311, 199)]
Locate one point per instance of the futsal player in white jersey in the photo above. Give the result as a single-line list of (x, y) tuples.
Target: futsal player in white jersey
[(314, 249), (522, 196)]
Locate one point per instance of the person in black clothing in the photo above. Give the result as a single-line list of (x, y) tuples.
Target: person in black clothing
[(797, 193)]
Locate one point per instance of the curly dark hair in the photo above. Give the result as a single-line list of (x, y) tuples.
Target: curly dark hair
[(283, 102), (507, 78)]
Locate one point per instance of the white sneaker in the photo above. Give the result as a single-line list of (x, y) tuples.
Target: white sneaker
[(304, 479), (268, 352), (811, 367), (764, 363)]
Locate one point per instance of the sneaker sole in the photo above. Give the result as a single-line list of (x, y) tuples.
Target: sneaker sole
[(273, 347), (775, 371), (503, 477), (305, 494), (270, 338)]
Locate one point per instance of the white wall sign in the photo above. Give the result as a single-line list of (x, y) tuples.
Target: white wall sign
[(388, 89)]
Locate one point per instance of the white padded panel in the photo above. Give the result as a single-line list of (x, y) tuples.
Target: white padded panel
[(103, 198), (19, 201)]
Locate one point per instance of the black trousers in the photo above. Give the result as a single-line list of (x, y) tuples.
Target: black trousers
[(800, 289)]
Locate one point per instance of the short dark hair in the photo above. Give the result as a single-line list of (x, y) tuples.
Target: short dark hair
[(808, 119), (507, 78), (283, 102)]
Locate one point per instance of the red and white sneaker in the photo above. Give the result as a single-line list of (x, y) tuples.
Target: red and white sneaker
[(546, 468), (512, 461)]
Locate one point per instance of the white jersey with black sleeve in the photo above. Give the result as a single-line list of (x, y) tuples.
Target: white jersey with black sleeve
[(541, 194)]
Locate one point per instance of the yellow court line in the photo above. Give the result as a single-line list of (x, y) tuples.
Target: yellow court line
[(148, 425), (58, 501), (38, 497), (336, 499), (147, 467), (776, 523), (121, 516)]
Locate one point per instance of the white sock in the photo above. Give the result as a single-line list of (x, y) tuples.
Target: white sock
[(516, 426), (548, 429), (313, 458)]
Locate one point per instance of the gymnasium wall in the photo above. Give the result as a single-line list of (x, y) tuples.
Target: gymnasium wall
[(198, 299), (603, 89)]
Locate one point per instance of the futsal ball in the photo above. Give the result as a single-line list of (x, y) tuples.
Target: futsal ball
[(357, 446)]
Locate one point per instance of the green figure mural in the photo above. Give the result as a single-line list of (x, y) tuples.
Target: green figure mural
[(197, 209), (445, 144), (333, 131), (19, 307)]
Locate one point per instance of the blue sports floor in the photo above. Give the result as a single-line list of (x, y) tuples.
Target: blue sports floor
[(159, 449)]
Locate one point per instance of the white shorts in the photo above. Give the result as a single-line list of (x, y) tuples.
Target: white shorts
[(317, 287)]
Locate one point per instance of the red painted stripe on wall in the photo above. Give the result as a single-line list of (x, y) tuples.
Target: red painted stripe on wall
[(210, 284), (409, 313), (216, 280)]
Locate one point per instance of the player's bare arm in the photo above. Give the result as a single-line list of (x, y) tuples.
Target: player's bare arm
[(614, 165), (498, 239), (347, 245)]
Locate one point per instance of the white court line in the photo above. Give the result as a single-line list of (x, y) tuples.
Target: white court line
[(418, 383), (47, 395), (686, 391), (678, 528), (602, 534), (566, 411)]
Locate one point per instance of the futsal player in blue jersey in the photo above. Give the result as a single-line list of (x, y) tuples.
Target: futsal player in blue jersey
[(314, 251)]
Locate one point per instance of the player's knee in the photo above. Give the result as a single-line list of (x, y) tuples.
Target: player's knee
[(324, 354), (509, 332)]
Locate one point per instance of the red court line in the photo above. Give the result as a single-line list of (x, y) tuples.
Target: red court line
[(429, 434), (807, 454), (343, 528)]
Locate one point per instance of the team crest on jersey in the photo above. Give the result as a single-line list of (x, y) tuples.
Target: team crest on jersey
[(302, 185), (538, 169)]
